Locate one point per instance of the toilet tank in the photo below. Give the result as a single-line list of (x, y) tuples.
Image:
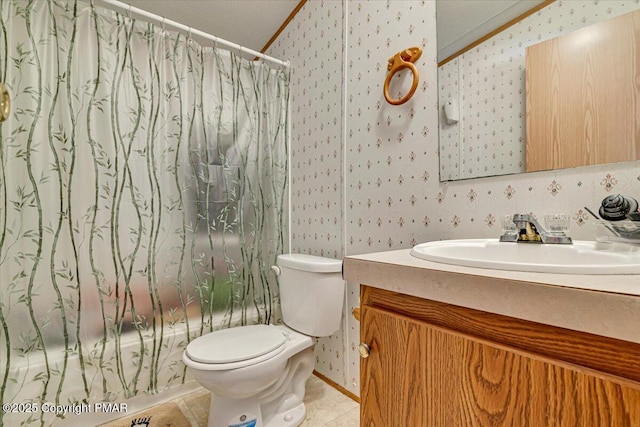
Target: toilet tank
[(312, 293)]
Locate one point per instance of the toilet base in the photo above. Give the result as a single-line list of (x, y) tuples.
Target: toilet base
[(292, 418), (248, 414), (280, 405), (235, 412)]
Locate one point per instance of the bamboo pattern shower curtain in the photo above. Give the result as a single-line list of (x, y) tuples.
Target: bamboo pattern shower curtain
[(142, 201)]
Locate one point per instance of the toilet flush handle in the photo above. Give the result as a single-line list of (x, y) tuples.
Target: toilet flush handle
[(276, 269)]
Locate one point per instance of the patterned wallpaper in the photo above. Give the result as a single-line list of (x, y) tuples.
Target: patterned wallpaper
[(489, 137), (393, 198), (449, 83), (313, 42), (488, 85), (391, 151)]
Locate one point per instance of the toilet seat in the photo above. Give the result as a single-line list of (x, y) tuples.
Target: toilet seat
[(237, 347)]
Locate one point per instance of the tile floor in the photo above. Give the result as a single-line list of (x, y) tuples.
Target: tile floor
[(326, 406)]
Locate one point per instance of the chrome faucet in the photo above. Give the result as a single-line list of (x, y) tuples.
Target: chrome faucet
[(528, 230)]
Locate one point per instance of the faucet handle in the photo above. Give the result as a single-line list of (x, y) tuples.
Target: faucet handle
[(509, 229), (557, 224), (508, 226)]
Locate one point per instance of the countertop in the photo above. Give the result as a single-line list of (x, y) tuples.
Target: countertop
[(607, 305)]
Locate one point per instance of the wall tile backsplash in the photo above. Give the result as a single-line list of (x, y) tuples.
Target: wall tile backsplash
[(392, 195)]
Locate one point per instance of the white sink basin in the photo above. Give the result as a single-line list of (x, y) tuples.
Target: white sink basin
[(583, 257)]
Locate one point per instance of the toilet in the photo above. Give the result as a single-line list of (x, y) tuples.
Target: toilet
[(257, 373)]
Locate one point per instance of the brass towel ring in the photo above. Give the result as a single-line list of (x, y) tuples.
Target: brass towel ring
[(400, 61), (5, 103)]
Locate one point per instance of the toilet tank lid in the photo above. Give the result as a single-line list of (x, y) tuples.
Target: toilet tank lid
[(310, 263)]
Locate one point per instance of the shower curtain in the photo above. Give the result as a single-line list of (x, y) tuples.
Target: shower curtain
[(142, 202)]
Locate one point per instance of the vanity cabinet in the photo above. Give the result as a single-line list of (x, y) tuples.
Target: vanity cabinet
[(435, 364)]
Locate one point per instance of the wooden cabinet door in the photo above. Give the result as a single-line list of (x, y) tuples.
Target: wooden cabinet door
[(423, 375), (394, 376)]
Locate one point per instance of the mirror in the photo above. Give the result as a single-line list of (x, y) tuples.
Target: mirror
[(482, 96)]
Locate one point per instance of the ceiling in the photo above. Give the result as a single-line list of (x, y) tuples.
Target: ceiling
[(252, 23), (461, 22), (249, 23)]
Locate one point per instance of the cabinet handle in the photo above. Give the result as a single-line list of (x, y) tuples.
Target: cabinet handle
[(364, 350), (356, 313)]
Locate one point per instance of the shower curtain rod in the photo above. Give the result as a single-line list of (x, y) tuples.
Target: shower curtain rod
[(216, 40)]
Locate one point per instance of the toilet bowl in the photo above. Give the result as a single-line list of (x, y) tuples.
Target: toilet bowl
[(257, 373)]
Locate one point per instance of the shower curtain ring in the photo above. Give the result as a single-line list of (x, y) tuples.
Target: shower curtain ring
[(129, 12)]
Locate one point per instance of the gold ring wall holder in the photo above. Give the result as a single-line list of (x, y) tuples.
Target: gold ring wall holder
[(5, 103), (400, 61)]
